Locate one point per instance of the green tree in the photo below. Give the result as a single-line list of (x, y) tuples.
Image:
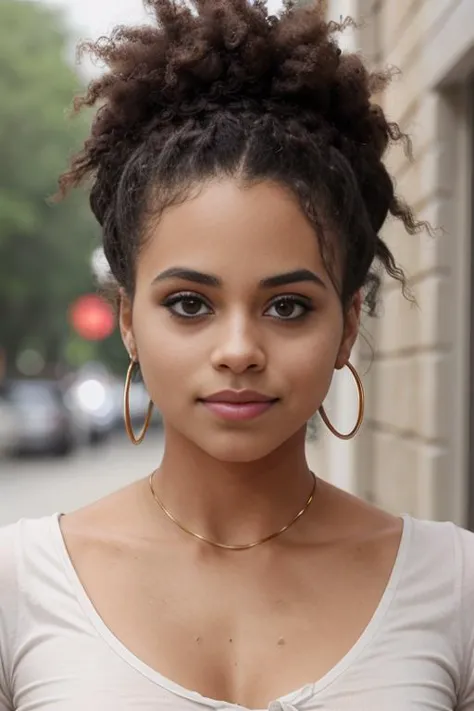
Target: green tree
[(44, 250)]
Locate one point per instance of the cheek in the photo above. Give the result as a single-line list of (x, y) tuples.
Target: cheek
[(168, 360), (165, 367), (309, 370), (312, 358)]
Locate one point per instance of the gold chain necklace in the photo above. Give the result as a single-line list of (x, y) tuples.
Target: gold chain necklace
[(245, 546)]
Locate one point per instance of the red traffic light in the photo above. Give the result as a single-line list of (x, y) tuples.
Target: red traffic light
[(92, 317)]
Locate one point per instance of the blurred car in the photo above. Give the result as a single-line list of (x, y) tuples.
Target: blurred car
[(9, 426), (91, 401), (45, 422), (139, 400)]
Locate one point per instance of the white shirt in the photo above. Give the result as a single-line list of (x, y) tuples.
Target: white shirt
[(416, 654)]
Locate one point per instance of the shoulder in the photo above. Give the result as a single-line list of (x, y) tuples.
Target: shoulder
[(465, 541), (436, 575), (440, 571), (9, 593), (25, 532), (464, 552), (22, 544), (8, 567), (27, 549), (443, 547), (443, 539)]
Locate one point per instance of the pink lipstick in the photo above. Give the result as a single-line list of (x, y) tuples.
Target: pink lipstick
[(238, 405)]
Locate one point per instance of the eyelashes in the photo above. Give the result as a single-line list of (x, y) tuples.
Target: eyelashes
[(188, 299), (190, 306)]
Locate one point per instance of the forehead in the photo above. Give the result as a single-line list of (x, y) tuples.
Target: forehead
[(233, 231)]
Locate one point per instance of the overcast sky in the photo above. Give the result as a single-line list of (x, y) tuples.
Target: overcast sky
[(90, 19), (96, 17)]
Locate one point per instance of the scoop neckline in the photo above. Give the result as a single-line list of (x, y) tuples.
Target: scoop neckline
[(293, 697)]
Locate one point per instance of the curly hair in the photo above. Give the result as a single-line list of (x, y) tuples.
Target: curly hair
[(220, 88)]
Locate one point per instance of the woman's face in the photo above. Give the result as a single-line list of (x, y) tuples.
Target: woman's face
[(232, 294)]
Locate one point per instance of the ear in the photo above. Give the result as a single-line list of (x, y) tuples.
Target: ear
[(126, 324), (351, 331)]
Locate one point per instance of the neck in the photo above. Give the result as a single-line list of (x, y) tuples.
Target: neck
[(233, 502)]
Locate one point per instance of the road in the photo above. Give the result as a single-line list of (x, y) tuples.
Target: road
[(31, 488)]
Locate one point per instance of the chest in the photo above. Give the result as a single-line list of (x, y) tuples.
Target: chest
[(245, 630), (84, 666)]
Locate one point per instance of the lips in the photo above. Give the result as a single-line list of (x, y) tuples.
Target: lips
[(238, 405), (239, 397)]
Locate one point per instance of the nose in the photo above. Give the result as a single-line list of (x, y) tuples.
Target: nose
[(238, 348)]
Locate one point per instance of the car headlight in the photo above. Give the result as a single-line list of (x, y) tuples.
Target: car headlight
[(91, 395)]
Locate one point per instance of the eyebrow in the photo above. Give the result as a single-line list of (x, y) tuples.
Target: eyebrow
[(191, 275)]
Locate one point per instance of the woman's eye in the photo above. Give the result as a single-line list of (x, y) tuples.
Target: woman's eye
[(289, 309), (192, 306), (187, 306)]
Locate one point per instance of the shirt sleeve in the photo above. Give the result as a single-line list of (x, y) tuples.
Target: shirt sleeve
[(466, 613), (8, 614)]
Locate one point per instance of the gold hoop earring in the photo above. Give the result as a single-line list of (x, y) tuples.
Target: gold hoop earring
[(126, 409), (360, 417)]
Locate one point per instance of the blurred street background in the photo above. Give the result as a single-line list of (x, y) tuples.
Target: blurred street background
[(33, 486), (62, 363)]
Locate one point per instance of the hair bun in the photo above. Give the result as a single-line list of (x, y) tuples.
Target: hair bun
[(223, 53)]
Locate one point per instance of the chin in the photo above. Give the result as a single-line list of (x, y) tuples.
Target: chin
[(234, 445), (235, 448), (239, 456)]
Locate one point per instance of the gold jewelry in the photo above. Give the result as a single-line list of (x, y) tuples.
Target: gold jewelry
[(126, 409), (227, 547), (360, 417)]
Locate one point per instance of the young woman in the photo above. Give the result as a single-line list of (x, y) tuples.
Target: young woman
[(236, 165)]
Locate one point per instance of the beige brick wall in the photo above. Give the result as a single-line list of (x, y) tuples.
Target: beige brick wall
[(409, 455)]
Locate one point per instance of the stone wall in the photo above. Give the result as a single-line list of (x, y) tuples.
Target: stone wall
[(412, 455)]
